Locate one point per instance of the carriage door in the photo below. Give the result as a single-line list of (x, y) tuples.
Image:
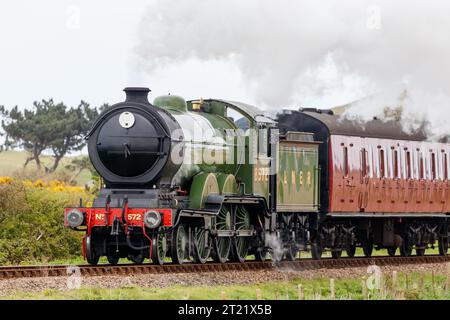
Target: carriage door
[(343, 175), (349, 181), (410, 182)]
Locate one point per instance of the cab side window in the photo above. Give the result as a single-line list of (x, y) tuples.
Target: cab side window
[(262, 141), (238, 118)]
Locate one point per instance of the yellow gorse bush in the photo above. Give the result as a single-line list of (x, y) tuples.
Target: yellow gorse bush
[(52, 185), (5, 180)]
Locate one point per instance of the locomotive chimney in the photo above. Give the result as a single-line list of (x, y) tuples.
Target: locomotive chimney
[(137, 94)]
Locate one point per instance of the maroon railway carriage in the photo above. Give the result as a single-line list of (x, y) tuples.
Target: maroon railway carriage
[(379, 185)]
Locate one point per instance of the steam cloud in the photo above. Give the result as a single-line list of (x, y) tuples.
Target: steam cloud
[(315, 53)]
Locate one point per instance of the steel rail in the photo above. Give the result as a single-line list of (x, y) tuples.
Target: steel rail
[(9, 272)]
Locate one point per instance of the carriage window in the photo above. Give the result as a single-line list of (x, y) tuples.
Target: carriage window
[(364, 162), (415, 162), (445, 166), (346, 166), (382, 164), (395, 164), (371, 165), (421, 165), (439, 169), (433, 166), (408, 165)]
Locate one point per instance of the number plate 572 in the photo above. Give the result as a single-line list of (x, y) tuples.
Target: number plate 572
[(134, 217)]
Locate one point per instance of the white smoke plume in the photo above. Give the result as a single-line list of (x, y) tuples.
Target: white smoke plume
[(276, 247), (415, 110), (314, 53)]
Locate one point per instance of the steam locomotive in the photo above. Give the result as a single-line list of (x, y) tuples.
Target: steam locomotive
[(185, 181)]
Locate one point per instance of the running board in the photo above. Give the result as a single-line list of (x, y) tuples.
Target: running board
[(238, 233)]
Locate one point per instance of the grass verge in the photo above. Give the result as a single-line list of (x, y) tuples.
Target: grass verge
[(400, 286)]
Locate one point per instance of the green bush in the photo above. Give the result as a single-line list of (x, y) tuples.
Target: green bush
[(32, 225)]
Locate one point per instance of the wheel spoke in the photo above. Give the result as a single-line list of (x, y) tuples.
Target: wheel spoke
[(202, 249), (180, 244), (159, 248), (242, 222), (222, 244)]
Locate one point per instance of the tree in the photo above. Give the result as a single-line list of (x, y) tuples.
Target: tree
[(30, 129), (104, 108), (77, 165), (71, 126), (48, 126)]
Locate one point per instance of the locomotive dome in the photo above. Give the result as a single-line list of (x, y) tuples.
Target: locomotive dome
[(131, 142), (171, 102)]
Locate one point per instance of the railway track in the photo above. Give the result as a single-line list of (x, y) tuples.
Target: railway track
[(8, 272)]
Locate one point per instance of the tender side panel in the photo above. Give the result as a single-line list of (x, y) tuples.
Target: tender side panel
[(298, 177), (383, 175)]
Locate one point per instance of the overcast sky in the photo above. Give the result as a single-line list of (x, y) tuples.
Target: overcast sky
[(272, 53), (83, 49)]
